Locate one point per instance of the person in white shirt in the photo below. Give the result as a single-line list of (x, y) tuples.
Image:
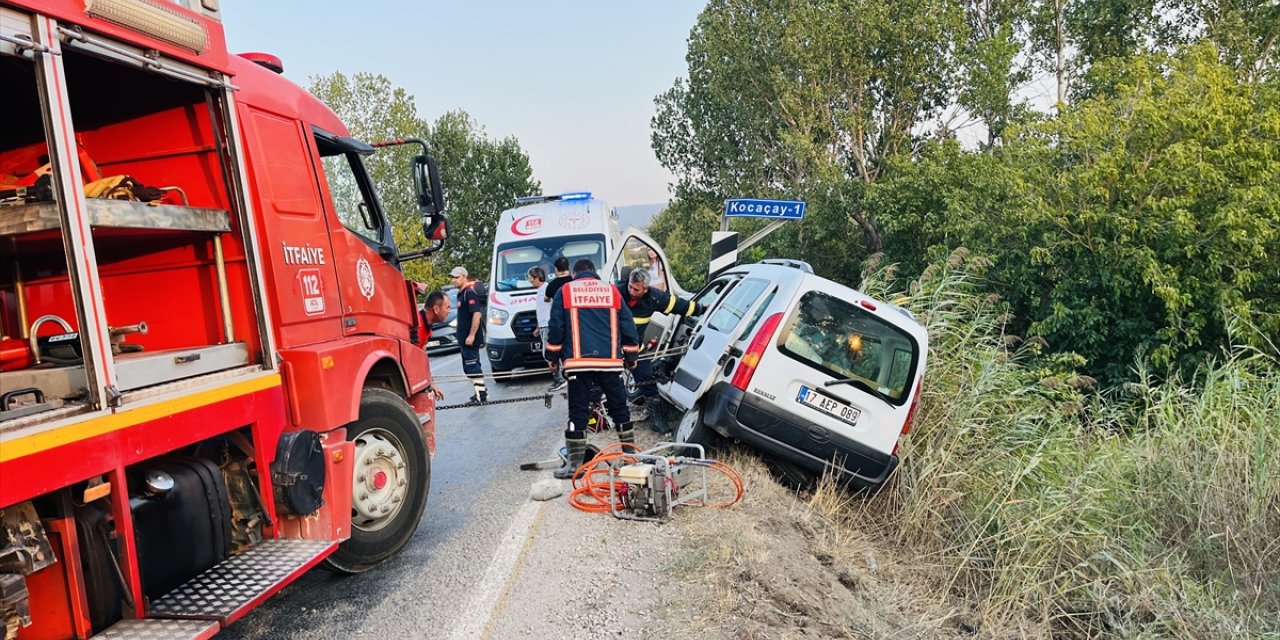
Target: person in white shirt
[(657, 274), (537, 276)]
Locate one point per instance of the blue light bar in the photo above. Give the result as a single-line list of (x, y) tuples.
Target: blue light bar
[(563, 197)]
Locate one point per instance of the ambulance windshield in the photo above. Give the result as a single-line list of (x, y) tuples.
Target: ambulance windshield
[(515, 258)]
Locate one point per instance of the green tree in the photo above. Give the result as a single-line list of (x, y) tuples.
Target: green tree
[(1163, 215), (992, 65), (806, 100), (481, 176), (1140, 222), (684, 231)]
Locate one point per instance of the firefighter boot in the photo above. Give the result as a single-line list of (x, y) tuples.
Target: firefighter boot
[(575, 445), (627, 436)]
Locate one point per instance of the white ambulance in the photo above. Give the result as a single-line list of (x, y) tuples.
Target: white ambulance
[(534, 233)]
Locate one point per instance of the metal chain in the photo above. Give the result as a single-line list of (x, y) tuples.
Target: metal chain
[(513, 375), (546, 398)]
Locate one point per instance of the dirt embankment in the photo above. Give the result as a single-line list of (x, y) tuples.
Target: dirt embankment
[(774, 566)]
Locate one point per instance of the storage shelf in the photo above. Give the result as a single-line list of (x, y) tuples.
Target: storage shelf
[(120, 214)]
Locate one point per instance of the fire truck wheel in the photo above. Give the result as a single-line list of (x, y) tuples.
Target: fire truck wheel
[(391, 479)]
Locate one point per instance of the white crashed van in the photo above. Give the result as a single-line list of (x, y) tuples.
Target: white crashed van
[(816, 375), (535, 232)]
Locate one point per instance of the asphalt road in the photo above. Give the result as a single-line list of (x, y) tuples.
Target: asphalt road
[(476, 490)]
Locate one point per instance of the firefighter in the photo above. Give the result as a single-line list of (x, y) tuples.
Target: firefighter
[(592, 337), (434, 311), (643, 300), (471, 306)]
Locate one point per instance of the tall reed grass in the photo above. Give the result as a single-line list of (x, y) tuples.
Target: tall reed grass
[(1147, 511)]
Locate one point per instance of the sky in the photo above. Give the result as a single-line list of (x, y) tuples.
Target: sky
[(573, 81)]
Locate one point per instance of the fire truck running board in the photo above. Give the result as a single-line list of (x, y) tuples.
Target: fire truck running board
[(233, 587), (158, 629)]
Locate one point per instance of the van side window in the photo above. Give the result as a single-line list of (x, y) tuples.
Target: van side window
[(712, 292), (736, 304), (350, 200), (755, 317)]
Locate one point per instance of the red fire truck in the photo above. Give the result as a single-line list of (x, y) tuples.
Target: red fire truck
[(209, 381)]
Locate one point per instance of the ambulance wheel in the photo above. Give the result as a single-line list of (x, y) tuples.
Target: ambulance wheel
[(693, 430), (391, 479)]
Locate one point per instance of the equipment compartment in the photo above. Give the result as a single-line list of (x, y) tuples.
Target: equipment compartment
[(171, 275)]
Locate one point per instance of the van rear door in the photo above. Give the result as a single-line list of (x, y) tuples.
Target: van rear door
[(847, 363), (708, 355)]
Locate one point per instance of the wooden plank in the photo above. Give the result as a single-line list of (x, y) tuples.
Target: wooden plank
[(122, 214)]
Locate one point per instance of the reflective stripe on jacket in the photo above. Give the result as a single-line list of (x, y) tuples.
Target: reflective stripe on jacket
[(655, 301), (591, 330)]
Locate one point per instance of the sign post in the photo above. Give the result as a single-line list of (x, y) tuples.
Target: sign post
[(724, 243), (724, 250)]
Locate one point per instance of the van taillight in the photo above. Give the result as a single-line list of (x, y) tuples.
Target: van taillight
[(747, 366), (911, 415)]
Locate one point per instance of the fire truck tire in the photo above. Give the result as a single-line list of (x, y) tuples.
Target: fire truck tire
[(392, 479)]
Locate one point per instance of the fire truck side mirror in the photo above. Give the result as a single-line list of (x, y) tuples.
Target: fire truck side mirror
[(436, 228), (426, 186)]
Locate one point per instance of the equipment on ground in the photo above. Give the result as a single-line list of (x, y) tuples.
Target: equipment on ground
[(648, 485)]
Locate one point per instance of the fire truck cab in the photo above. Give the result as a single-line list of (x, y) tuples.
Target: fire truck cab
[(209, 381)]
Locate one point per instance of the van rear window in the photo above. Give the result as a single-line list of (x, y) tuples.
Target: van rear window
[(847, 342)]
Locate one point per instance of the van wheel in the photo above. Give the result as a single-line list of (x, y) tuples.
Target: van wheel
[(692, 430), (389, 485), (629, 383), (791, 475)]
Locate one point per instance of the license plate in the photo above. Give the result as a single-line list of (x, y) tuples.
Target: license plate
[(537, 346), (433, 343), (828, 405)]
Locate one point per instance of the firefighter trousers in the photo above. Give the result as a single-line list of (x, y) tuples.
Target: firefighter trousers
[(583, 389)]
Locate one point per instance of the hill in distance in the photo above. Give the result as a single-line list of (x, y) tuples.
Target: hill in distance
[(638, 215)]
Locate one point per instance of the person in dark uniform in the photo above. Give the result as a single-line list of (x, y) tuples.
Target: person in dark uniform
[(644, 300), (591, 337), (471, 306)]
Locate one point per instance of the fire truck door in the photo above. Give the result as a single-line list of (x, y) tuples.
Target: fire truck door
[(374, 298), (297, 246)]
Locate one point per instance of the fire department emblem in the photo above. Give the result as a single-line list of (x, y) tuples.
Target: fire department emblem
[(364, 278), (574, 220)]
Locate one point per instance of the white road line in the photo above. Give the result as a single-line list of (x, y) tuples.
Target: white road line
[(486, 597)]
